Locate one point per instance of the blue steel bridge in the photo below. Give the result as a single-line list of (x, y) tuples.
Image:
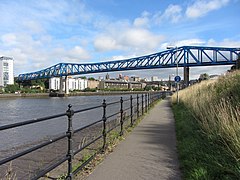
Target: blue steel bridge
[(185, 56)]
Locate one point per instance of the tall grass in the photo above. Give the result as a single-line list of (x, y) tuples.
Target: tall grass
[(215, 104)]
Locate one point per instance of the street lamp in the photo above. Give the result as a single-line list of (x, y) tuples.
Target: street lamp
[(176, 60)]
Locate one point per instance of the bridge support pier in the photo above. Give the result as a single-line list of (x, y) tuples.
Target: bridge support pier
[(186, 76), (61, 85), (66, 85)]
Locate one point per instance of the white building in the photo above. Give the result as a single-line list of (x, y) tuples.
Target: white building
[(6, 71), (154, 78), (73, 83)]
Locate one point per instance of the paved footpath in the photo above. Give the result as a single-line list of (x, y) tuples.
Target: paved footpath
[(148, 153)]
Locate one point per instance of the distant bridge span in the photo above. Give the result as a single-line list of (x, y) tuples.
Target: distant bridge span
[(185, 56)]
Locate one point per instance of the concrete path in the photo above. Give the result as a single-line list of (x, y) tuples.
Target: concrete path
[(148, 153)]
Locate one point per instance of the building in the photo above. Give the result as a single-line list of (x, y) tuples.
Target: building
[(154, 78), (118, 84), (6, 71), (113, 84), (134, 78), (73, 83), (93, 84)]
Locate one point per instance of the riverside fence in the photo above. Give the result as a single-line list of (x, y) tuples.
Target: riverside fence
[(63, 148)]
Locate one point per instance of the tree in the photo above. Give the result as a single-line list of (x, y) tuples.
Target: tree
[(204, 76), (91, 78), (83, 77), (11, 88)]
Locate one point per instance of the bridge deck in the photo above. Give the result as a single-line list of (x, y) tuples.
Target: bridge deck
[(149, 152)]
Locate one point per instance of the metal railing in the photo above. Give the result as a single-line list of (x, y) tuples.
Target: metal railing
[(129, 109)]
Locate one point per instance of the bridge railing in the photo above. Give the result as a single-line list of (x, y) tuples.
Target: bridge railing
[(126, 114)]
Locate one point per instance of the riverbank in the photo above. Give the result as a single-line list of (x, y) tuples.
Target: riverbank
[(100, 93)]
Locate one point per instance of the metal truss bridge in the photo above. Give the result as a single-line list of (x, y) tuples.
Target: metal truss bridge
[(185, 56)]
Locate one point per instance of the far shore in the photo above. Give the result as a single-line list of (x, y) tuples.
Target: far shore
[(100, 93)]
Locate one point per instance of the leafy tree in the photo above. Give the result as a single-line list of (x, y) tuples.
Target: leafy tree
[(11, 88), (148, 88), (91, 78), (83, 77), (204, 76)]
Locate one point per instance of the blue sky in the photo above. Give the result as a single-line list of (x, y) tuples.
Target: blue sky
[(38, 34)]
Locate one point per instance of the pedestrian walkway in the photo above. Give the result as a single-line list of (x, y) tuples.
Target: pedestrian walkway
[(148, 153)]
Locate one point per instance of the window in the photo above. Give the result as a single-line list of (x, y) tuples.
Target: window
[(5, 76), (5, 64)]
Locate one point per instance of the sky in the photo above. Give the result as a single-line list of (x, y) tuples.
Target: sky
[(39, 34)]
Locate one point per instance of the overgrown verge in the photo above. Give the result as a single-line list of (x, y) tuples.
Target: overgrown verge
[(200, 156), (208, 128)]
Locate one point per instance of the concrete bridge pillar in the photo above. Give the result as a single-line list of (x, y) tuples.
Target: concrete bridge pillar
[(186, 76), (61, 85), (66, 85)]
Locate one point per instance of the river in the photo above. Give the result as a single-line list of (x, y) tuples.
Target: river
[(22, 109)]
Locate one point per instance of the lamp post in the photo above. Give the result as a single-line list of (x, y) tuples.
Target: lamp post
[(176, 60)]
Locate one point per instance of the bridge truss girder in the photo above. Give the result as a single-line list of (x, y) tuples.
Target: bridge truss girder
[(185, 56)]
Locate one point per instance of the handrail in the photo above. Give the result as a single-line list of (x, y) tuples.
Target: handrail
[(125, 112), (9, 126)]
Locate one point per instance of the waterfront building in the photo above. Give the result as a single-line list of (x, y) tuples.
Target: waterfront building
[(107, 76), (134, 78), (73, 83), (6, 71), (120, 84), (154, 78), (93, 84)]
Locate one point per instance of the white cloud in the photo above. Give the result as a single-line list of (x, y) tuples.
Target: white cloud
[(140, 39), (130, 39), (105, 43), (9, 39), (142, 21), (225, 43), (34, 27), (78, 53), (34, 54), (202, 7), (184, 42), (173, 13)]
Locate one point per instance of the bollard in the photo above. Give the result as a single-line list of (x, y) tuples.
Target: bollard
[(69, 132), (131, 106), (121, 119), (104, 119), (142, 105)]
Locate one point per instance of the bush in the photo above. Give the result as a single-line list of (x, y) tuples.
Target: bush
[(11, 88)]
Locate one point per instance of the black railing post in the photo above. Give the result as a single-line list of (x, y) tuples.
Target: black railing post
[(70, 154), (104, 119), (149, 100), (121, 118), (131, 99), (142, 105), (146, 103), (137, 106), (150, 103)]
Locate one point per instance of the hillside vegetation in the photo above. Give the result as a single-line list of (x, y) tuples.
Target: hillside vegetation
[(213, 109)]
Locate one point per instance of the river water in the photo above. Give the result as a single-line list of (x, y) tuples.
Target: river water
[(22, 109)]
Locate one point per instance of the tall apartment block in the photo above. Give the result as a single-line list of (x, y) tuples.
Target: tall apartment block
[(6, 71)]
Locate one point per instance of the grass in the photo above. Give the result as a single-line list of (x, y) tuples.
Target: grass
[(200, 156), (210, 114)]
